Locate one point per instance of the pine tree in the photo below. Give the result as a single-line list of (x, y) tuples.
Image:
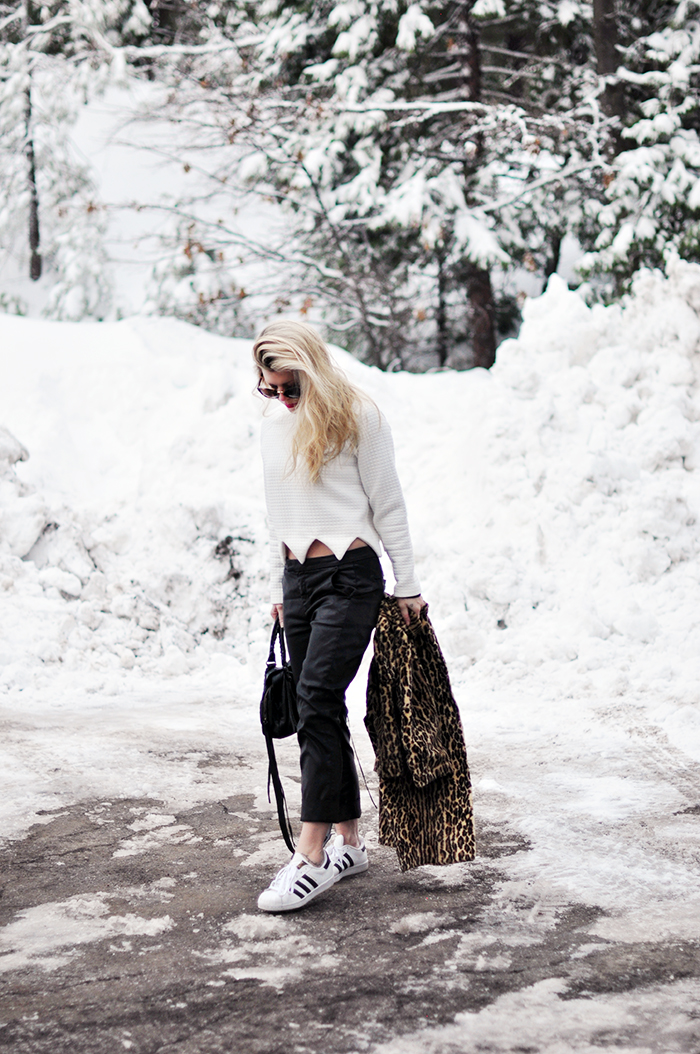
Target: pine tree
[(650, 209), (51, 56), (417, 146), (327, 102), (420, 150)]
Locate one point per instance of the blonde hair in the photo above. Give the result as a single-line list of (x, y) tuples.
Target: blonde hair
[(326, 414)]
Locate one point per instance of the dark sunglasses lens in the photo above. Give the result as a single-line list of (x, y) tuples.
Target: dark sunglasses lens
[(292, 391)]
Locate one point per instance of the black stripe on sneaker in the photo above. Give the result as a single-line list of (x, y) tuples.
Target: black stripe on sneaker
[(306, 888)]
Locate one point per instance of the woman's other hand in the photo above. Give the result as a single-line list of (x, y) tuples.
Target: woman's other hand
[(277, 612), (410, 606)]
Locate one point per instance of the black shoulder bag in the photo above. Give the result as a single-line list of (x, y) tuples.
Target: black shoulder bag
[(279, 718)]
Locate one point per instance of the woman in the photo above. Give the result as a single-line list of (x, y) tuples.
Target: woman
[(333, 499)]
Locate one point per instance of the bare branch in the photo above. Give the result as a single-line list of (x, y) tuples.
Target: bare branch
[(511, 74), (9, 19), (537, 184), (48, 27), (523, 55), (154, 51)]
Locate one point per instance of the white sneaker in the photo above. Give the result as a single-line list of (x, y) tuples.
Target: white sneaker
[(347, 859), (296, 884)]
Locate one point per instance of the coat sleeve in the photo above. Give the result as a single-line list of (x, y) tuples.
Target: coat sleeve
[(403, 718), (276, 567)]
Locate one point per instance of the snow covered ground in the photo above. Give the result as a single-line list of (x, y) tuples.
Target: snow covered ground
[(554, 507)]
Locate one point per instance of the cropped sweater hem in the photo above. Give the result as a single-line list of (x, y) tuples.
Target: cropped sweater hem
[(358, 495)]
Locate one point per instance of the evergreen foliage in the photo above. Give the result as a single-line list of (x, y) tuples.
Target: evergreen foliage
[(651, 207), (53, 56), (425, 155)]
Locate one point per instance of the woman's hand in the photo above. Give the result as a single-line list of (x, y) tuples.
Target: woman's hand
[(409, 606), (276, 611)]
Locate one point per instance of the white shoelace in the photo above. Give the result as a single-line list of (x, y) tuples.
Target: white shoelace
[(284, 879)]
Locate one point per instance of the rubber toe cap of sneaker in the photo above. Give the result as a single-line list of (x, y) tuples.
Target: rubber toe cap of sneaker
[(269, 900)]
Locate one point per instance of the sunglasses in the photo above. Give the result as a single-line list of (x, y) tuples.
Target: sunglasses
[(289, 391)]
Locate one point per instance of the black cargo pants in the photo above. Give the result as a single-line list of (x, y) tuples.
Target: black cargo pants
[(330, 610)]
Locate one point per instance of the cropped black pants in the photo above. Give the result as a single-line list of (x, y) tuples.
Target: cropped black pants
[(330, 609)]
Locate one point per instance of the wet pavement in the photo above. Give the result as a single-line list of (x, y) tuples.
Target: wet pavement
[(129, 928)]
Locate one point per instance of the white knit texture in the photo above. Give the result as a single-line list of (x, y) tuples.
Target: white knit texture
[(358, 495)]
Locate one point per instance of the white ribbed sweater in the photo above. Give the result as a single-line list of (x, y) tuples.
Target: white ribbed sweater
[(358, 495)]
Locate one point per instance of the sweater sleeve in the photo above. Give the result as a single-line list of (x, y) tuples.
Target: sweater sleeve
[(377, 468), (276, 567)]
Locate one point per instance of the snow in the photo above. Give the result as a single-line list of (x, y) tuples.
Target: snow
[(270, 950), (423, 922), (553, 504), (554, 509), (356, 39), (567, 11), (549, 1025), (47, 935), (343, 15), (414, 22), (484, 8)]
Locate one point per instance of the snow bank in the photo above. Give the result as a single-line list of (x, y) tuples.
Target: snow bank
[(584, 546), (553, 503), (132, 539)]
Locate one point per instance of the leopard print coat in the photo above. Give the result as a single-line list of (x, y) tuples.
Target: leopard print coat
[(425, 802)]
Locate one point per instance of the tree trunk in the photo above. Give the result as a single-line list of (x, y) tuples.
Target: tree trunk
[(554, 256), (441, 314), (605, 39), (481, 317), (467, 35), (30, 19), (34, 239), (482, 311), (170, 19)]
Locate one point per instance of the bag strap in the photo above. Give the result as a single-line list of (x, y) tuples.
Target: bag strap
[(273, 777), (277, 632), (359, 765)]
